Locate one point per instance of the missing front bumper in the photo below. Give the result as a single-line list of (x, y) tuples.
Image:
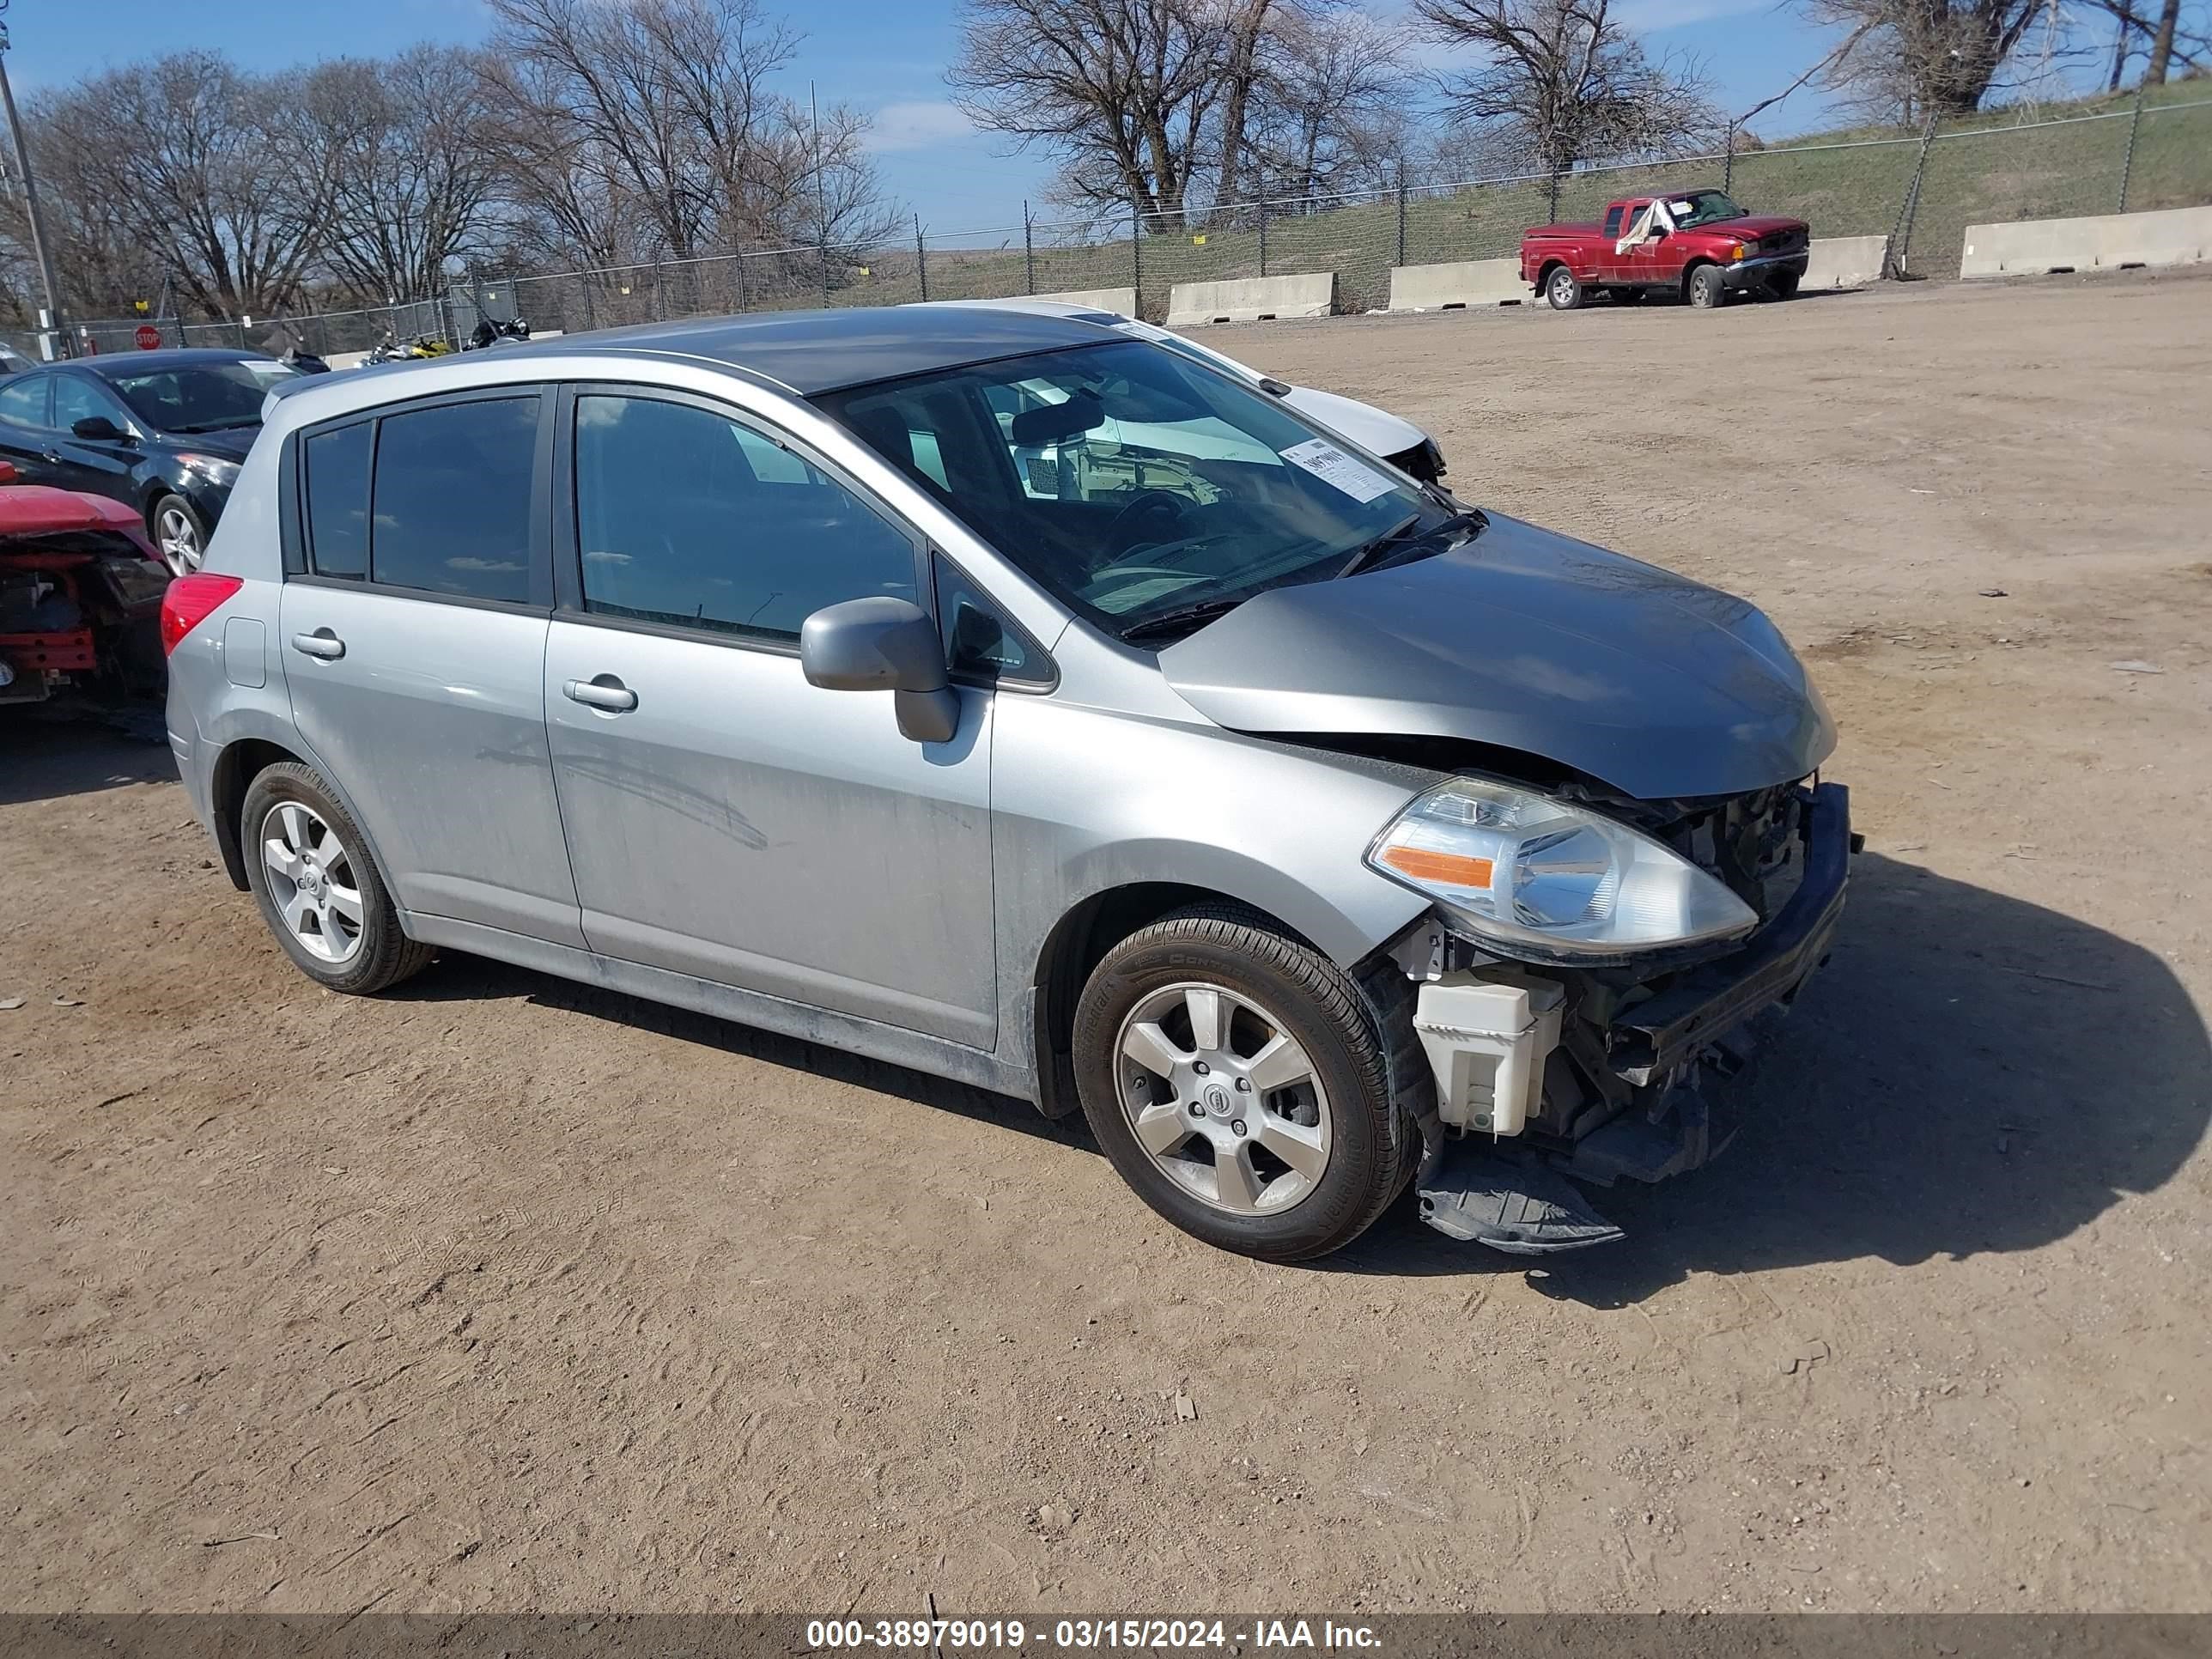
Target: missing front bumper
[(1684, 1053)]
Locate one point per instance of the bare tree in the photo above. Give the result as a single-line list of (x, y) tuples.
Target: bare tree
[(416, 176), (1569, 78), (189, 167), (1332, 81), (650, 127), (1908, 60), (1119, 92)]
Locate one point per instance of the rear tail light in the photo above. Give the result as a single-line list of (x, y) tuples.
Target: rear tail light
[(190, 601)]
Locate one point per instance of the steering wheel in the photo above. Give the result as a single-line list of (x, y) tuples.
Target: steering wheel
[(1138, 506)]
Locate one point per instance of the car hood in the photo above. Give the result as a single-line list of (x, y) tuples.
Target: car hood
[(1373, 429), (230, 442), (1752, 225), (1526, 640)]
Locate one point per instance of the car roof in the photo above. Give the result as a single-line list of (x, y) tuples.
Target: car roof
[(132, 362), (815, 352)]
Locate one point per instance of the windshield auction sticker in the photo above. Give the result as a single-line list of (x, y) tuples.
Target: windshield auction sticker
[(1334, 467)]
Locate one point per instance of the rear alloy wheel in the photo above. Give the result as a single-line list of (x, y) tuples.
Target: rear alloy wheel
[(1235, 1079), (180, 534), (1561, 291), (307, 864), (1706, 290)]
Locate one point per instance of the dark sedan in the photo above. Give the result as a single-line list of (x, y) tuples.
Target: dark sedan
[(163, 431)]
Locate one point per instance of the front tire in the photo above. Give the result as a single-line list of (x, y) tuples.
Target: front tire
[(180, 533), (1236, 1079), (1782, 285), (1561, 291), (1706, 289), (308, 866)]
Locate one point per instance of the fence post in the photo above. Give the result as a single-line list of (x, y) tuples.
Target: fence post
[(1137, 253), (2128, 160), (739, 260), (1900, 239), (921, 258), (1399, 256), (1728, 163), (660, 299), (1028, 252), (822, 251), (1551, 205), (1263, 236)]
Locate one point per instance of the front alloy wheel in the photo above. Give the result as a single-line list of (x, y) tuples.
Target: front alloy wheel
[(177, 532), (1562, 292), (1223, 1099), (1240, 1082)]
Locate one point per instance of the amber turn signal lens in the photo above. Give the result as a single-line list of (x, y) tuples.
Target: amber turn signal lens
[(1452, 869)]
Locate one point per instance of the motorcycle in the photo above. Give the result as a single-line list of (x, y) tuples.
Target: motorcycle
[(490, 333)]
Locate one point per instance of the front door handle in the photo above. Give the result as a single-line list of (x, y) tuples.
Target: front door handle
[(52, 457), (604, 692), (321, 643)]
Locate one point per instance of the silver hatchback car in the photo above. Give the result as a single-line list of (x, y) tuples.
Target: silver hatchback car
[(1314, 833)]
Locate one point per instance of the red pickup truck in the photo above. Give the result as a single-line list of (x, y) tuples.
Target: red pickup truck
[(1694, 243)]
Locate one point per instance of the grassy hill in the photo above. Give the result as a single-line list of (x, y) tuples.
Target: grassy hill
[(2053, 162)]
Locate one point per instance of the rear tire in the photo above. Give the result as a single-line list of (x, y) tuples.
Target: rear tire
[(1704, 289), (1561, 291), (1207, 1158), (334, 917)]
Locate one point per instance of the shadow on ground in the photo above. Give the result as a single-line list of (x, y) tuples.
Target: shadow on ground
[(1970, 1072), (47, 753)]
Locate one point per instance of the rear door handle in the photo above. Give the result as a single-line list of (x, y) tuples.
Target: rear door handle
[(50, 456), (321, 643), (604, 692)]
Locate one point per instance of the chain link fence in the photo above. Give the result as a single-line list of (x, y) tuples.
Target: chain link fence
[(1922, 189)]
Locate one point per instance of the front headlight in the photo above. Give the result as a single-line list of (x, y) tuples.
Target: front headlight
[(213, 468), (1527, 873)]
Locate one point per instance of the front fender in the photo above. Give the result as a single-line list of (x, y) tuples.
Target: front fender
[(1086, 802)]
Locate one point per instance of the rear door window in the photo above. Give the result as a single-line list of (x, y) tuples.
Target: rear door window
[(1613, 220), (23, 403), (451, 499)]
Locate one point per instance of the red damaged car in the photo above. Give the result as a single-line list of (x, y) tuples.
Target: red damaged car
[(81, 592), (1695, 244)]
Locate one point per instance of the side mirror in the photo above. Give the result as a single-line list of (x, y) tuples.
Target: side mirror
[(883, 644), (98, 428)]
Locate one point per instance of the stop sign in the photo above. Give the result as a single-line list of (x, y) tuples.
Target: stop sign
[(149, 337)]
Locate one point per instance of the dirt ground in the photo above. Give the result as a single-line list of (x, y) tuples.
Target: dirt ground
[(500, 1293)]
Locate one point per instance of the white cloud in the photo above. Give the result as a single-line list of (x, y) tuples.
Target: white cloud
[(917, 127)]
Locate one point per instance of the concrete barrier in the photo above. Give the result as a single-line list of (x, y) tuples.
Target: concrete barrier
[(1845, 261), (1252, 299), (1122, 301), (2173, 236), (1453, 287)]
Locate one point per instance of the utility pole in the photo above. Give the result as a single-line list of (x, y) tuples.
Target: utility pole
[(53, 331)]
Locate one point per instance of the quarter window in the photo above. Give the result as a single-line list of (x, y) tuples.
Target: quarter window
[(451, 499), (337, 500), (686, 517), (23, 403)]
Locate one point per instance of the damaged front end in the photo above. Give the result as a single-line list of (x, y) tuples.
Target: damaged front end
[(1573, 1059)]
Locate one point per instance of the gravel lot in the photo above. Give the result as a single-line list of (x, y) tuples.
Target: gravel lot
[(498, 1293)]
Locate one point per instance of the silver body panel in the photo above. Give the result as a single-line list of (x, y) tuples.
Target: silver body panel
[(741, 842)]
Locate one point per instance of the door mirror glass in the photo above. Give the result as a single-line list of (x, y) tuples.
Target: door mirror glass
[(883, 644), (98, 428)]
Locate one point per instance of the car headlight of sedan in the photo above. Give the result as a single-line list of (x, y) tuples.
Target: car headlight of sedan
[(213, 468), (1530, 875)]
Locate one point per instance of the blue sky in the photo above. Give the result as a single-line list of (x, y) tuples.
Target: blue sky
[(885, 55)]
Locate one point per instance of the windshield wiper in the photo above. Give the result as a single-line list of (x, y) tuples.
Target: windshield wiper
[(1184, 619), (1368, 555)]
